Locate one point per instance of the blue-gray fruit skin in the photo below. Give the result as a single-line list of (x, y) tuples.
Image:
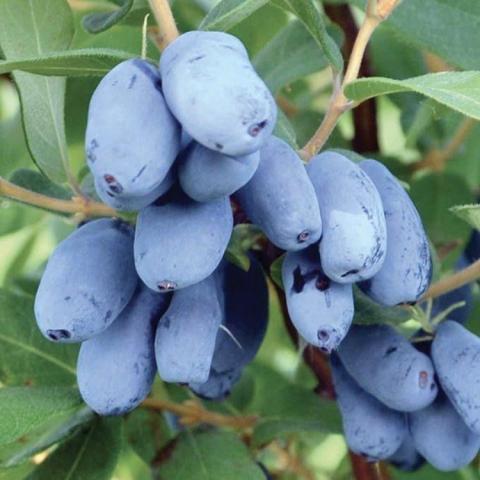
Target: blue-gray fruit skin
[(280, 198), (185, 338), (207, 175), (213, 90), (244, 298), (354, 239), (320, 309), (456, 356), (132, 139), (134, 203), (371, 429), (218, 386), (88, 281), (116, 369), (407, 269), (180, 243), (461, 294), (245, 303), (407, 458), (441, 436), (388, 367)]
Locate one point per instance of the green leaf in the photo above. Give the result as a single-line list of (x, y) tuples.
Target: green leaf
[(71, 63), (369, 312), (16, 473), (99, 22), (291, 54), (434, 194), (446, 28), (35, 181), (469, 213), (227, 13), (276, 271), (285, 130), (26, 408), (244, 237), (58, 429), (276, 401), (147, 433), (92, 454), (26, 357), (213, 455), (459, 91), (31, 28), (309, 14)]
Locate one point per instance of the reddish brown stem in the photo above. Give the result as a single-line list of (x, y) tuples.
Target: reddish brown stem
[(365, 115)]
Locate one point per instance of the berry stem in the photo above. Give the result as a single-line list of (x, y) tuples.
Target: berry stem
[(191, 413), (80, 205), (457, 280), (339, 103), (165, 20)]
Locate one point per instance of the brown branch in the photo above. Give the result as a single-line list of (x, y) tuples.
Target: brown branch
[(165, 20), (191, 413), (365, 115), (79, 205)]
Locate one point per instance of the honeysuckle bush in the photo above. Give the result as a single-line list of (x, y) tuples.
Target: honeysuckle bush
[(411, 101)]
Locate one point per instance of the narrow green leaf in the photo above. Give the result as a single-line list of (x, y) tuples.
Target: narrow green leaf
[(92, 454), (23, 409), (291, 54), (31, 28), (26, 357), (35, 181), (469, 213), (99, 22), (227, 13), (459, 91), (59, 430), (285, 130), (276, 271), (70, 63), (308, 13), (213, 455), (446, 28), (369, 312)]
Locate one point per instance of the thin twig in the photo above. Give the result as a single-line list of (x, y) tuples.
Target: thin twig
[(165, 20), (376, 12), (457, 280), (191, 413), (79, 205)]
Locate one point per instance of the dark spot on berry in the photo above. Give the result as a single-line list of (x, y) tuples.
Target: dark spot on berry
[(323, 335), (67, 298), (350, 272), (323, 282), (423, 379), (219, 146), (56, 335), (196, 59), (256, 128), (298, 280), (133, 79), (112, 183), (303, 236), (166, 286), (390, 350)]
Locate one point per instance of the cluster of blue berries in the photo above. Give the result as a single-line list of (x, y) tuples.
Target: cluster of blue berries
[(175, 144)]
